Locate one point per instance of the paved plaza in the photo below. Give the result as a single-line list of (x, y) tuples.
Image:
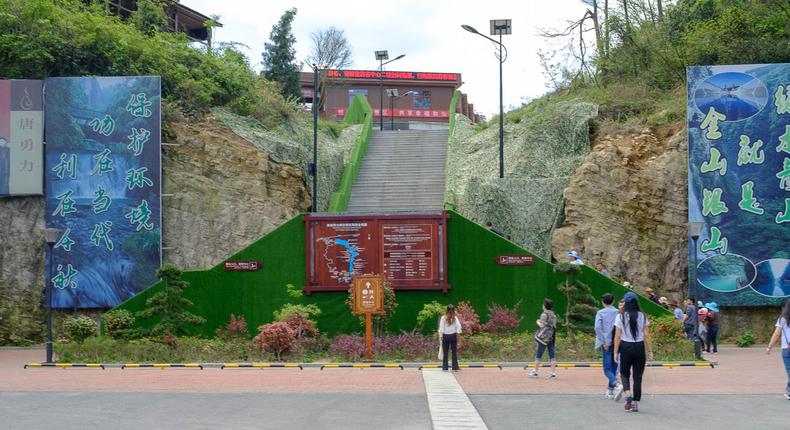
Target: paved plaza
[(745, 391)]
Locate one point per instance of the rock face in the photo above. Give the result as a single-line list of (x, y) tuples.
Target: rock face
[(221, 193), (626, 206), (542, 149)]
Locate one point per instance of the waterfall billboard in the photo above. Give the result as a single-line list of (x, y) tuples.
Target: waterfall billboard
[(21, 137), (739, 183), (103, 188)]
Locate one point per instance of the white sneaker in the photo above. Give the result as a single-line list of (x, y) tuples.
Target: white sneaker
[(551, 375), (609, 394), (533, 373), (787, 396), (618, 393)]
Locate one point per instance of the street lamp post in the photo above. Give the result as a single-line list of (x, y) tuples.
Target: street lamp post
[(381, 56), (498, 27), (314, 169), (695, 229), (393, 95), (50, 238)]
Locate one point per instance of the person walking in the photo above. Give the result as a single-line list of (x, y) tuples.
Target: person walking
[(783, 330), (713, 327), (677, 311), (547, 329), (604, 339), (449, 328), (690, 326), (632, 341)]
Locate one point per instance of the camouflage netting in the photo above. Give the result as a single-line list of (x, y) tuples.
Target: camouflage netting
[(541, 154), (296, 147)]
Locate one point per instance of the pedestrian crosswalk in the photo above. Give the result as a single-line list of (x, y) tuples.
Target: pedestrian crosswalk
[(449, 405)]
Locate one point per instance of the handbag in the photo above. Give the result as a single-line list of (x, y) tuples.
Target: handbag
[(440, 356), (546, 333)]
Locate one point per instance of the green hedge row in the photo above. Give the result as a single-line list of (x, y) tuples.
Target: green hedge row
[(358, 113)]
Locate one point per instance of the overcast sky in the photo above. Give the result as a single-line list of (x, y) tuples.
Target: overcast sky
[(428, 32)]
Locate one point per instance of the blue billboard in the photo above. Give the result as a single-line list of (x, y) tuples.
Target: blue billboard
[(103, 187), (739, 182)]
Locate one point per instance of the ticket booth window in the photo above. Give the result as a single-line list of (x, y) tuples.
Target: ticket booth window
[(422, 100)]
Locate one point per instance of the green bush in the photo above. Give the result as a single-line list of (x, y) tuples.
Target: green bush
[(745, 340), (80, 327), (119, 324)]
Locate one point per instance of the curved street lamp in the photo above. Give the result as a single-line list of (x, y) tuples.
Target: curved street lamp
[(381, 56), (498, 27)]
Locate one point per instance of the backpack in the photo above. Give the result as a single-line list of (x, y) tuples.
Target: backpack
[(546, 333)]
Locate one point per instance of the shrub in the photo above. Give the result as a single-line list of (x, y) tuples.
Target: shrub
[(299, 317), (470, 321), (405, 346), (666, 327), (277, 338), (236, 328), (502, 319), (430, 312), (348, 347), (119, 324), (80, 327), (745, 340), (167, 305)]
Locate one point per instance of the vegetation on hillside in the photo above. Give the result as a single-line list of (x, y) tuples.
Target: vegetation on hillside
[(635, 66)]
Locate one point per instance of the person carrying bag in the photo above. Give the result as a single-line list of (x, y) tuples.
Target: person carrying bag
[(547, 328), (449, 327)]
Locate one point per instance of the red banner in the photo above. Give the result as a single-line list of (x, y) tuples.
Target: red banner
[(403, 113), (392, 75)]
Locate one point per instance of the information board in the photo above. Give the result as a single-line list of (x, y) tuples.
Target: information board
[(409, 250), (21, 137), (739, 183)]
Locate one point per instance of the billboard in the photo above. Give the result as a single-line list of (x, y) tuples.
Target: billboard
[(408, 250), (103, 187), (739, 182), (21, 137)]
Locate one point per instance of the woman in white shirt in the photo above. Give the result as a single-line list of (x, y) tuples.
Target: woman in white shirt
[(449, 327), (630, 339), (783, 331)]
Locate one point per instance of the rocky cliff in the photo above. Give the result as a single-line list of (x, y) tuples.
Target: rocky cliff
[(221, 193), (626, 206)]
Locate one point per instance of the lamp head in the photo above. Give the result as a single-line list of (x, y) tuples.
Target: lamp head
[(695, 228), (51, 235), (399, 57), (469, 28)]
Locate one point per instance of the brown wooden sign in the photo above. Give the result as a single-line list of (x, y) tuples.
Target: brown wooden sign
[(368, 294), (243, 265), (515, 260), (408, 250)]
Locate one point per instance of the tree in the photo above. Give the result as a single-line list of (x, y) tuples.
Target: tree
[(580, 306), (149, 17), (168, 305), (279, 57), (330, 49)]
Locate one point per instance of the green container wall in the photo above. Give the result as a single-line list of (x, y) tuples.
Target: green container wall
[(472, 272)]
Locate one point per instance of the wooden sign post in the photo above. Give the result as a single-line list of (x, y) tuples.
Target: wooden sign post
[(368, 301)]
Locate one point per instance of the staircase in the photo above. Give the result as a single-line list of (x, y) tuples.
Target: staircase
[(402, 171)]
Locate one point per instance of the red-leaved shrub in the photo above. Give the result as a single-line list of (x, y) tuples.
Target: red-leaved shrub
[(470, 321), (502, 319), (235, 328), (302, 326), (405, 346), (277, 338)]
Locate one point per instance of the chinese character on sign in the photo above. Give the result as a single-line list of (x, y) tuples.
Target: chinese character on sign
[(782, 101), (65, 204), (750, 154), (748, 202), (138, 106), (101, 232), (784, 176), (136, 178), (103, 163), (716, 241), (65, 241), (716, 162), (140, 216), (711, 123), (138, 138), (784, 141), (63, 280), (711, 202), (784, 216), (101, 203), (26, 166), (26, 145), (104, 126), (26, 124), (67, 164)]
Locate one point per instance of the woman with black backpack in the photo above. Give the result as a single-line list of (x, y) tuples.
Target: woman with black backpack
[(547, 328), (632, 349)]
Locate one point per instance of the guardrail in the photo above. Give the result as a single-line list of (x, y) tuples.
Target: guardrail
[(261, 366), (162, 365), (65, 365), (362, 366)]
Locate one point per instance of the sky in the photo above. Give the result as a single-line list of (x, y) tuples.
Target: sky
[(428, 32)]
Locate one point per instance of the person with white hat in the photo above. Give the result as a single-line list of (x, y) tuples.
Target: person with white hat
[(574, 258)]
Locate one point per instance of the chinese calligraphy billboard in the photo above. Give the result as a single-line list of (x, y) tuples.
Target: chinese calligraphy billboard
[(739, 182), (21, 137), (103, 187), (409, 250)]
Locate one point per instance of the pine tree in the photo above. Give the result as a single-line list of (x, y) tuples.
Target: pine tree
[(279, 55), (580, 308), (168, 305)]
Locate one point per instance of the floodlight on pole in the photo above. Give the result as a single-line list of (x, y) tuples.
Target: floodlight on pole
[(498, 28), (381, 56), (393, 95)]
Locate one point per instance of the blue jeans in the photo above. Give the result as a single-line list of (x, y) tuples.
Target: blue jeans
[(542, 347), (609, 366), (786, 359)]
